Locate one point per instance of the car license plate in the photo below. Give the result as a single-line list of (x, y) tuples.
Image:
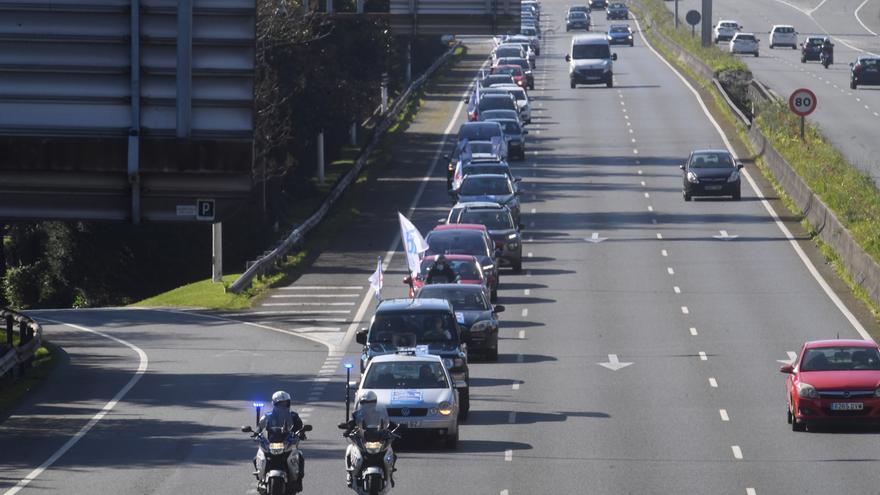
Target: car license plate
[(847, 406), (413, 424), (713, 188)]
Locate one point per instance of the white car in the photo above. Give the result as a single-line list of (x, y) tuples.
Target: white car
[(744, 43), (522, 100), (417, 392), (725, 29), (783, 35)]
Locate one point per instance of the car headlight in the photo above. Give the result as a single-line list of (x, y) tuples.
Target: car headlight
[(276, 447), (511, 236), (481, 326), (733, 176), (692, 178), (373, 447), (445, 409), (807, 391)]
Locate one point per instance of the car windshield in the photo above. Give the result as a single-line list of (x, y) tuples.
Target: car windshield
[(465, 269), (461, 299), (470, 242), (491, 102), (513, 71), (745, 37), (498, 114), (478, 186), (711, 160), (815, 41), (482, 131), (486, 169), (577, 16), (620, 29), (412, 328), (840, 359), (406, 375), (492, 219), (580, 52), (508, 51)]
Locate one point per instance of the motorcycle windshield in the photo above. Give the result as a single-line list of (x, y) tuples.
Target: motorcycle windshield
[(274, 435)]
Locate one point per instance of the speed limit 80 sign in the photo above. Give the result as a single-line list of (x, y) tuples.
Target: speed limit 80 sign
[(802, 102)]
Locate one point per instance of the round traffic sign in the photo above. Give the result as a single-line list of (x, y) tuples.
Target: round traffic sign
[(692, 17), (802, 102)]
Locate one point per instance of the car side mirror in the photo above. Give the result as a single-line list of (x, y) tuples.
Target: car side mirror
[(307, 428), (407, 279), (681, 167), (498, 308), (525, 132), (739, 166), (247, 429), (613, 56), (517, 179), (786, 368), (361, 336), (568, 58)]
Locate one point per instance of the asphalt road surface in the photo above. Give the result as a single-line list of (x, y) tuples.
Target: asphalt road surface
[(619, 269), (848, 117)]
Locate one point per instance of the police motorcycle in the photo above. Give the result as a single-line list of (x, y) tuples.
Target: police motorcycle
[(369, 459), (278, 459)]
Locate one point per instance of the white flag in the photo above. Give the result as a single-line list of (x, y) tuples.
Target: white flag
[(377, 279), (413, 243)]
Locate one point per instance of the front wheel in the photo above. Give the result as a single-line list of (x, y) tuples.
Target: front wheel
[(687, 196), (451, 441), (610, 82), (853, 85), (373, 484), (756, 54), (573, 85), (464, 396), (276, 486)]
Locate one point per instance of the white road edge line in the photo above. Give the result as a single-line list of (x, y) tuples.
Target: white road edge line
[(856, 13), (787, 233), (142, 368)]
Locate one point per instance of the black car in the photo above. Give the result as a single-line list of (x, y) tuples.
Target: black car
[(865, 71), (468, 241), (617, 10), (406, 323), (497, 219), (476, 317), (620, 34), (524, 64), (811, 48), (598, 4), (711, 173), (577, 20)]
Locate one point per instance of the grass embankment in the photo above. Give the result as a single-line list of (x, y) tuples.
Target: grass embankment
[(848, 192), (12, 392), (209, 295)]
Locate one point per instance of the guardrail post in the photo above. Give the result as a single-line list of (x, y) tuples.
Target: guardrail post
[(9, 325), (22, 333), (321, 157)]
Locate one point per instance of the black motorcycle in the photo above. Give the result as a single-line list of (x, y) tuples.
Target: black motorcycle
[(369, 459), (279, 462)]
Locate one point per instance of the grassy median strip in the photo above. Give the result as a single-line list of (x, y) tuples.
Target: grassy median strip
[(209, 295), (848, 192)]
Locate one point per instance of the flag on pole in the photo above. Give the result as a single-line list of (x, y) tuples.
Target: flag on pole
[(465, 154), (457, 176), (377, 279), (414, 244)]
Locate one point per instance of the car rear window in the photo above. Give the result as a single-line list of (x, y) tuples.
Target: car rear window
[(840, 359), (467, 270), (478, 186), (479, 131), (745, 37), (711, 160), (492, 219), (728, 24), (785, 30), (870, 62), (462, 299), (577, 16), (457, 242), (510, 70), (500, 102), (508, 51)]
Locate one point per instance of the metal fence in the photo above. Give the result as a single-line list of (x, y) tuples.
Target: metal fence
[(16, 359), (271, 261)]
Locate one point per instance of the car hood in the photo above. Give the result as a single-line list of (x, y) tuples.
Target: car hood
[(438, 349), (842, 380), (467, 318), (591, 63), (712, 173), (429, 396)]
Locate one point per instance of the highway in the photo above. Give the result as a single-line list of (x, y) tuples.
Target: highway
[(848, 117), (696, 303)]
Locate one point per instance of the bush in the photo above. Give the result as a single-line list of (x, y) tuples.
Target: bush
[(22, 285)]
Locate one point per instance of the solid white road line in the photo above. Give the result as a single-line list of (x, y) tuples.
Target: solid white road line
[(313, 303), (703, 356), (737, 452), (856, 13), (767, 206), (142, 368), (713, 382)]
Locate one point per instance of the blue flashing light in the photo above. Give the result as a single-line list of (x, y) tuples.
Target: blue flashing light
[(258, 405), (348, 366)]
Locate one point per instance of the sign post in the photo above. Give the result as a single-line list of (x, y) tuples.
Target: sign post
[(802, 102), (693, 18)]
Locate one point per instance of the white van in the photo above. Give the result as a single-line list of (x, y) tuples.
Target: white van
[(590, 60)]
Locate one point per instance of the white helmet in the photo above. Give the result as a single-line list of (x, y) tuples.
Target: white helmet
[(280, 396), (369, 397)]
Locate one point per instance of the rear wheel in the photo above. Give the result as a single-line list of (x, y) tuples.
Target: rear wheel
[(492, 355), (517, 267), (756, 54), (803, 60), (610, 82), (737, 195), (687, 196), (794, 47), (494, 295)]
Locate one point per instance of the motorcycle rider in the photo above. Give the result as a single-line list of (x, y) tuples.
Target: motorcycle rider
[(282, 417), (828, 49), (440, 272), (369, 415)]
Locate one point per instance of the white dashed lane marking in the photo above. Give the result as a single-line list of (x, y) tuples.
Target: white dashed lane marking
[(693, 331), (737, 452), (713, 383), (724, 415), (703, 356)]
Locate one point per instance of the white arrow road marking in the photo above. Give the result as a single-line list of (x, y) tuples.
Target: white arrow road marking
[(792, 356), (725, 236), (614, 363), (595, 239)]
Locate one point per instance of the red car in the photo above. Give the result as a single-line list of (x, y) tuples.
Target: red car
[(514, 71), (472, 239), (834, 381), (465, 266)]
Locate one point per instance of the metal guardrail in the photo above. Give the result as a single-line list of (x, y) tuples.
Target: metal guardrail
[(17, 358), (272, 260)]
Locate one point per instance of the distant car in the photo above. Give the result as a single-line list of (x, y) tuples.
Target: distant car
[(491, 79), (504, 232), (467, 269), (616, 10), (811, 48), (514, 71), (783, 35), (598, 4), (476, 316), (578, 8), (493, 188), (495, 115), (522, 63), (521, 97), (482, 131), (577, 20), (620, 34), (725, 30), (711, 173), (526, 44), (467, 239), (833, 381), (490, 166), (865, 71), (515, 136), (744, 43), (533, 35), (503, 51), (497, 102)]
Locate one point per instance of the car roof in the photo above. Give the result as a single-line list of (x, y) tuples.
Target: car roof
[(618, 26), (451, 257), (840, 343), (728, 20), (589, 39), (479, 123), (491, 176), (459, 226), (407, 304), (480, 205), (385, 358)]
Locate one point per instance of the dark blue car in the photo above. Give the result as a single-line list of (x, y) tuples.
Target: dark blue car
[(620, 34)]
